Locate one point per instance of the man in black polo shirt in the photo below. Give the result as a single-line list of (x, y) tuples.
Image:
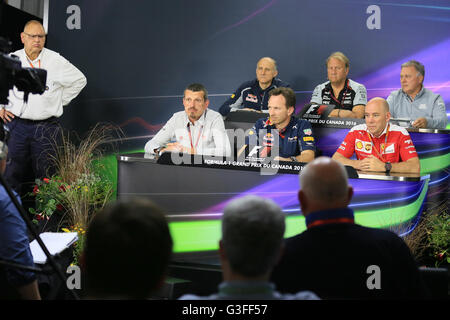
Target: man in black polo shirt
[(253, 95), (337, 258), (347, 95)]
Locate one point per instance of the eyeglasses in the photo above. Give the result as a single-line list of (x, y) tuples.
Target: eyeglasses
[(36, 36)]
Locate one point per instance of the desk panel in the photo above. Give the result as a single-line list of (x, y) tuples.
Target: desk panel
[(195, 196)]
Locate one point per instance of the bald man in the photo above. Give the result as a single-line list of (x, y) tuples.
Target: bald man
[(34, 126), (378, 145), (334, 256), (254, 95)]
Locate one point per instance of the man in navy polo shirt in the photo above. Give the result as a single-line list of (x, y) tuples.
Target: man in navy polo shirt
[(335, 257), (295, 141), (253, 95)]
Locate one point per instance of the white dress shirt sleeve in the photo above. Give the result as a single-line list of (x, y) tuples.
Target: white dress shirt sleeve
[(162, 137), (72, 81)]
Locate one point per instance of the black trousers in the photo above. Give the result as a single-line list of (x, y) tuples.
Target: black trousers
[(32, 147)]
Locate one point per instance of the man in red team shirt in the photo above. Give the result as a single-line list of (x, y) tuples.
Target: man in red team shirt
[(378, 145)]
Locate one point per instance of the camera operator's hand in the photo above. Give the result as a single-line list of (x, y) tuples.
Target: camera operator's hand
[(6, 115)]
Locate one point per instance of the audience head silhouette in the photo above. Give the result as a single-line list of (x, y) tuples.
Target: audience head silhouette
[(127, 251), (324, 185), (252, 237)]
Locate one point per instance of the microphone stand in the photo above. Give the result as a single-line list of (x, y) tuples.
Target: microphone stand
[(34, 233)]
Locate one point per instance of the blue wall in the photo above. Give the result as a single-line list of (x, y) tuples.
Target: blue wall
[(138, 56)]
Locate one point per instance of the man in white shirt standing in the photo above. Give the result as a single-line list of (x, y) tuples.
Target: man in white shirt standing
[(196, 130), (34, 125)]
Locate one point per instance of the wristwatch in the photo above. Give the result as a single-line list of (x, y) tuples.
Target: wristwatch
[(388, 167), (294, 159)]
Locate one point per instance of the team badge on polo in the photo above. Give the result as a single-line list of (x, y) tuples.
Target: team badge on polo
[(251, 98), (308, 132), (268, 137), (363, 146), (359, 145), (390, 148)]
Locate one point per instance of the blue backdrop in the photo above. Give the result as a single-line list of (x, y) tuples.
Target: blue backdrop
[(138, 56)]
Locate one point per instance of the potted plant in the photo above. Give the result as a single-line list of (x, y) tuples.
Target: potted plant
[(79, 189)]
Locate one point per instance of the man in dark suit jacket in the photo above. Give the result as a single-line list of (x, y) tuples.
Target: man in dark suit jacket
[(336, 258)]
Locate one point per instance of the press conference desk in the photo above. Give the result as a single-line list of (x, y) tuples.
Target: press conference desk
[(194, 195), (432, 145)]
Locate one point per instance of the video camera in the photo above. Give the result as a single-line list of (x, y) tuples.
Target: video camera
[(28, 80)]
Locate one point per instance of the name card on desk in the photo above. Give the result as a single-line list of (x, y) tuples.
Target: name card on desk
[(336, 122), (317, 114), (316, 111), (266, 166), (280, 166)]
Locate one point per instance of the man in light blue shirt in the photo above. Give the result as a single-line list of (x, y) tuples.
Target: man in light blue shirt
[(424, 108)]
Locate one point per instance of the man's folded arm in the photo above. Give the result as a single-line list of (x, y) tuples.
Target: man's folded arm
[(346, 161)]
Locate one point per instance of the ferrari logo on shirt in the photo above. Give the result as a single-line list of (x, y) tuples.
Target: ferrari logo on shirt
[(368, 147), (390, 148)]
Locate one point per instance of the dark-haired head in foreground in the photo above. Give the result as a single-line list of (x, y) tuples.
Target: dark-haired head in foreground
[(128, 248)]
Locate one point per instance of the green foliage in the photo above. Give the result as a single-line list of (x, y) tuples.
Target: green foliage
[(53, 194), (81, 186), (48, 195), (439, 237)]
